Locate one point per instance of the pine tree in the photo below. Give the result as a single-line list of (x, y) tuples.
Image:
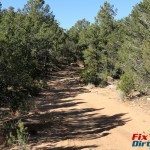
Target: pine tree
[(134, 54), (104, 39), (107, 37), (78, 34), (31, 44)]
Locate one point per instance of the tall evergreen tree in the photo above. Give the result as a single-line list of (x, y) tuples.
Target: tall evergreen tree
[(78, 34), (31, 44), (134, 55), (105, 43)]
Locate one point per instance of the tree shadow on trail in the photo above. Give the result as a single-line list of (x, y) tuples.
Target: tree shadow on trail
[(69, 86), (59, 119), (76, 124), (90, 147), (81, 124)]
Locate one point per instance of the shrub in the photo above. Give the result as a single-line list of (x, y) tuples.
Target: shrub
[(127, 83), (90, 76), (18, 135)]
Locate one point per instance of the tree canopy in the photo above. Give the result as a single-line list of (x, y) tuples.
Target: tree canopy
[(32, 45)]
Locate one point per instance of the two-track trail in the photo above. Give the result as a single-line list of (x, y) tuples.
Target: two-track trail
[(72, 116)]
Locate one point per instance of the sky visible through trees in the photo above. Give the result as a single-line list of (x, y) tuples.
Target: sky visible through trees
[(68, 12)]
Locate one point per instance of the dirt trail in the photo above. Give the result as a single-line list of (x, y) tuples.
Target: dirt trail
[(73, 117)]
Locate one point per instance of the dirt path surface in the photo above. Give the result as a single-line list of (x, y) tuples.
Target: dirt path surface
[(73, 117)]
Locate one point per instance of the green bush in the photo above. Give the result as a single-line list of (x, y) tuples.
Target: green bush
[(126, 84), (18, 134), (90, 76)]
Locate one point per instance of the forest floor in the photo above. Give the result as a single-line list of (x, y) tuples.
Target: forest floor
[(72, 116)]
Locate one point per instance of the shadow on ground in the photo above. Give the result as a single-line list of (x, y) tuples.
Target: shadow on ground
[(58, 119), (90, 147)]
